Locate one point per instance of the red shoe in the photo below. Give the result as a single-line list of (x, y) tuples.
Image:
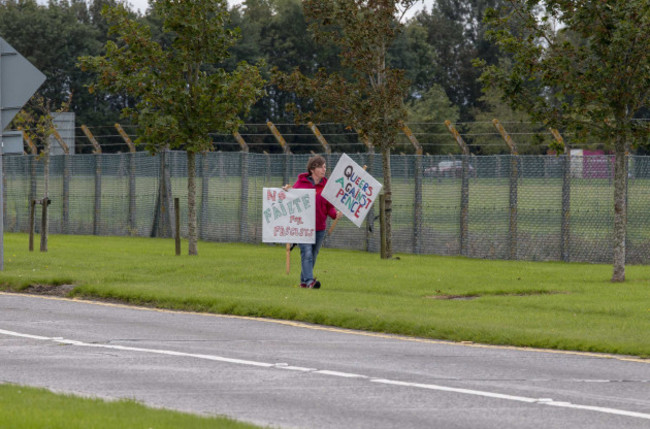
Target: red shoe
[(314, 284)]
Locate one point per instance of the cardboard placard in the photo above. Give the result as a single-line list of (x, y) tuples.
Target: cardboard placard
[(351, 189), (288, 216)]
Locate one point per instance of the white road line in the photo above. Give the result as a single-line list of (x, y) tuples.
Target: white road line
[(304, 325), (285, 366)]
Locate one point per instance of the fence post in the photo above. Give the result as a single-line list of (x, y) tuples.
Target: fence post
[(267, 178), (370, 217), (243, 218), (32, 209), (464, 189), (66, 179), (565, 240), (125, 137), (132, 167), (320, 138), (132, 207), (205, 192), (162, 217), (417, 206), (514, 176), (59, 139), (382, 225), (98, 193), (240, 140), (67, 161), (98, 148), (177, 225), (44, 203), (285, 149)]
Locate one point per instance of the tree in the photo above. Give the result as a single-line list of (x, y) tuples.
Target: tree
[(274, 31), (581, 67), (183, 94), (65, 31), (456, 32), (37, 122), (428, 114), (368, 95)]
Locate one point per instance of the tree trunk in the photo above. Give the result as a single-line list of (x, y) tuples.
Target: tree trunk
[(388, 198), (191, 203), (620, 209)]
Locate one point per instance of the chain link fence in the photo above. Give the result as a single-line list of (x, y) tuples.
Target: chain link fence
[(536, 208)]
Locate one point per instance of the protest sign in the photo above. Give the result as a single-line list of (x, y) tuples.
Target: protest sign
[(351, 190), (288, 216)]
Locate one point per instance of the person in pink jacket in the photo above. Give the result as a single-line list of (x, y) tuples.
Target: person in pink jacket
[(314, 179)]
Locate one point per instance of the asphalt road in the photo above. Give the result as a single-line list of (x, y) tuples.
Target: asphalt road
[(291, 375)]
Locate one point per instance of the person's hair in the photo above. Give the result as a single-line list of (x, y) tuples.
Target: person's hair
[(315, 162)]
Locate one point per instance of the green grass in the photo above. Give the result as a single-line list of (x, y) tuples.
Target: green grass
[(28, 408), (549, 305)]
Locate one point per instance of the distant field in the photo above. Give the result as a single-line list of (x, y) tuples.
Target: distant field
[(539, 209)]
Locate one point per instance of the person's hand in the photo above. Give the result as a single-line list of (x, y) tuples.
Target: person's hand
[(339, 215)]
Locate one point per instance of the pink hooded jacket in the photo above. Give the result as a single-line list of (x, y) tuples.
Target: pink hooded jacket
[(323, 207)]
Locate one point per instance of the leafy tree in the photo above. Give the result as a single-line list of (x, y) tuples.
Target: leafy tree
[(369, 97), (580, 67), (182, 95), (413, 53), (276, 31), (428, 114), (456, 32), (37, 121), (51, 37)]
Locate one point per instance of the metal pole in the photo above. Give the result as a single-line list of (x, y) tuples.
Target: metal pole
[(32, 208), (177, 233), (382, 225)]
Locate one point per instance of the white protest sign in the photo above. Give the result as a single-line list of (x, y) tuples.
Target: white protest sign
[(288, 216), (351, 190)]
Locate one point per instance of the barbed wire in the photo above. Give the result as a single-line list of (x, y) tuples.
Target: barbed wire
[(260, 137)]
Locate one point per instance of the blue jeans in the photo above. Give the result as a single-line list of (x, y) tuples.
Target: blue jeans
[(308, 253)]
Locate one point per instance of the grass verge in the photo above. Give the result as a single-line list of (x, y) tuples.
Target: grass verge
[(547, 305), (27, 408)]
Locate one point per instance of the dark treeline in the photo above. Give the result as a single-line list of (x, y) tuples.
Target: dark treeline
[(436, 47)]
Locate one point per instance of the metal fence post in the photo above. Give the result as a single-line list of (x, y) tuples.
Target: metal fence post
[(565, 240), (514, 177), (44, 203), (177, 225), (205, 192), (565, 243), (417, 205), (66, 193), (464, 189), (243, 218), (98, 193), (285, 149), (163, 211), (32, 209), (32, 176), (132, 207), (382, 225)]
